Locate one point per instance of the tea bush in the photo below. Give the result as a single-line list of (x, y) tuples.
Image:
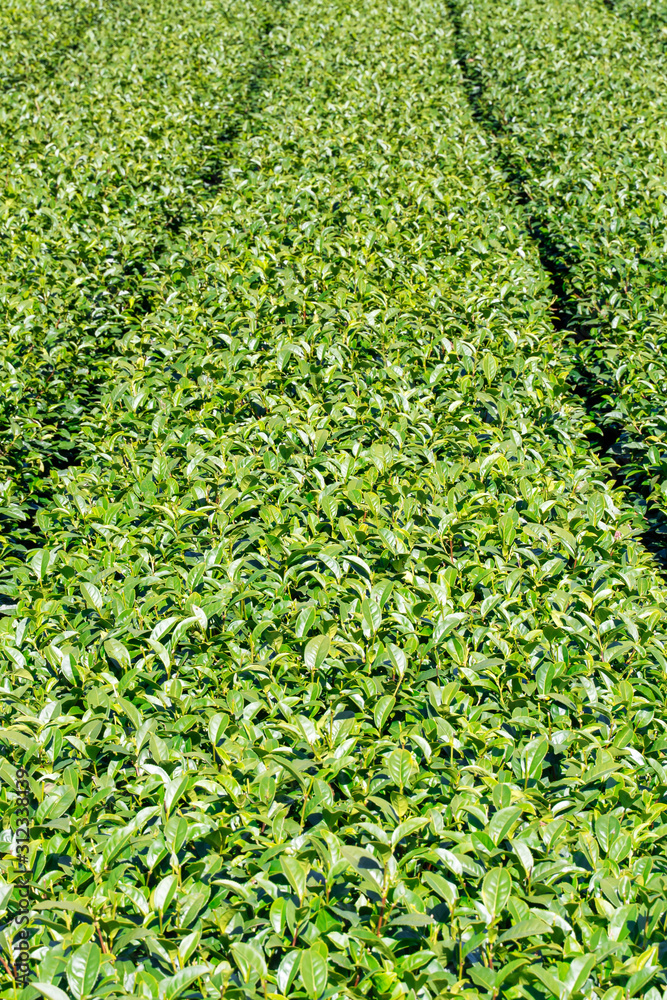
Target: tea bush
[(329, 644), (577, 97)]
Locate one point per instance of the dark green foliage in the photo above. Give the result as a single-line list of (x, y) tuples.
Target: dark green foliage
[(330, 647), (648, 15)]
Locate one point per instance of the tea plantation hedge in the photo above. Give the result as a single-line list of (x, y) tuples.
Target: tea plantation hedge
[(107, 159), (329, 644), (577, 99)]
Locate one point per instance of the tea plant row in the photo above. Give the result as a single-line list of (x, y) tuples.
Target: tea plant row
[(576, 95)]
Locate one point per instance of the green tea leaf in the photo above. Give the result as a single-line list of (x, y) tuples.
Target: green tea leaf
[(92, 596), (401, 765), (316, 652), (496, 890), (314, 972), (173, 986), (118, 651), (382, 710), (83, 968), (248, 959)]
